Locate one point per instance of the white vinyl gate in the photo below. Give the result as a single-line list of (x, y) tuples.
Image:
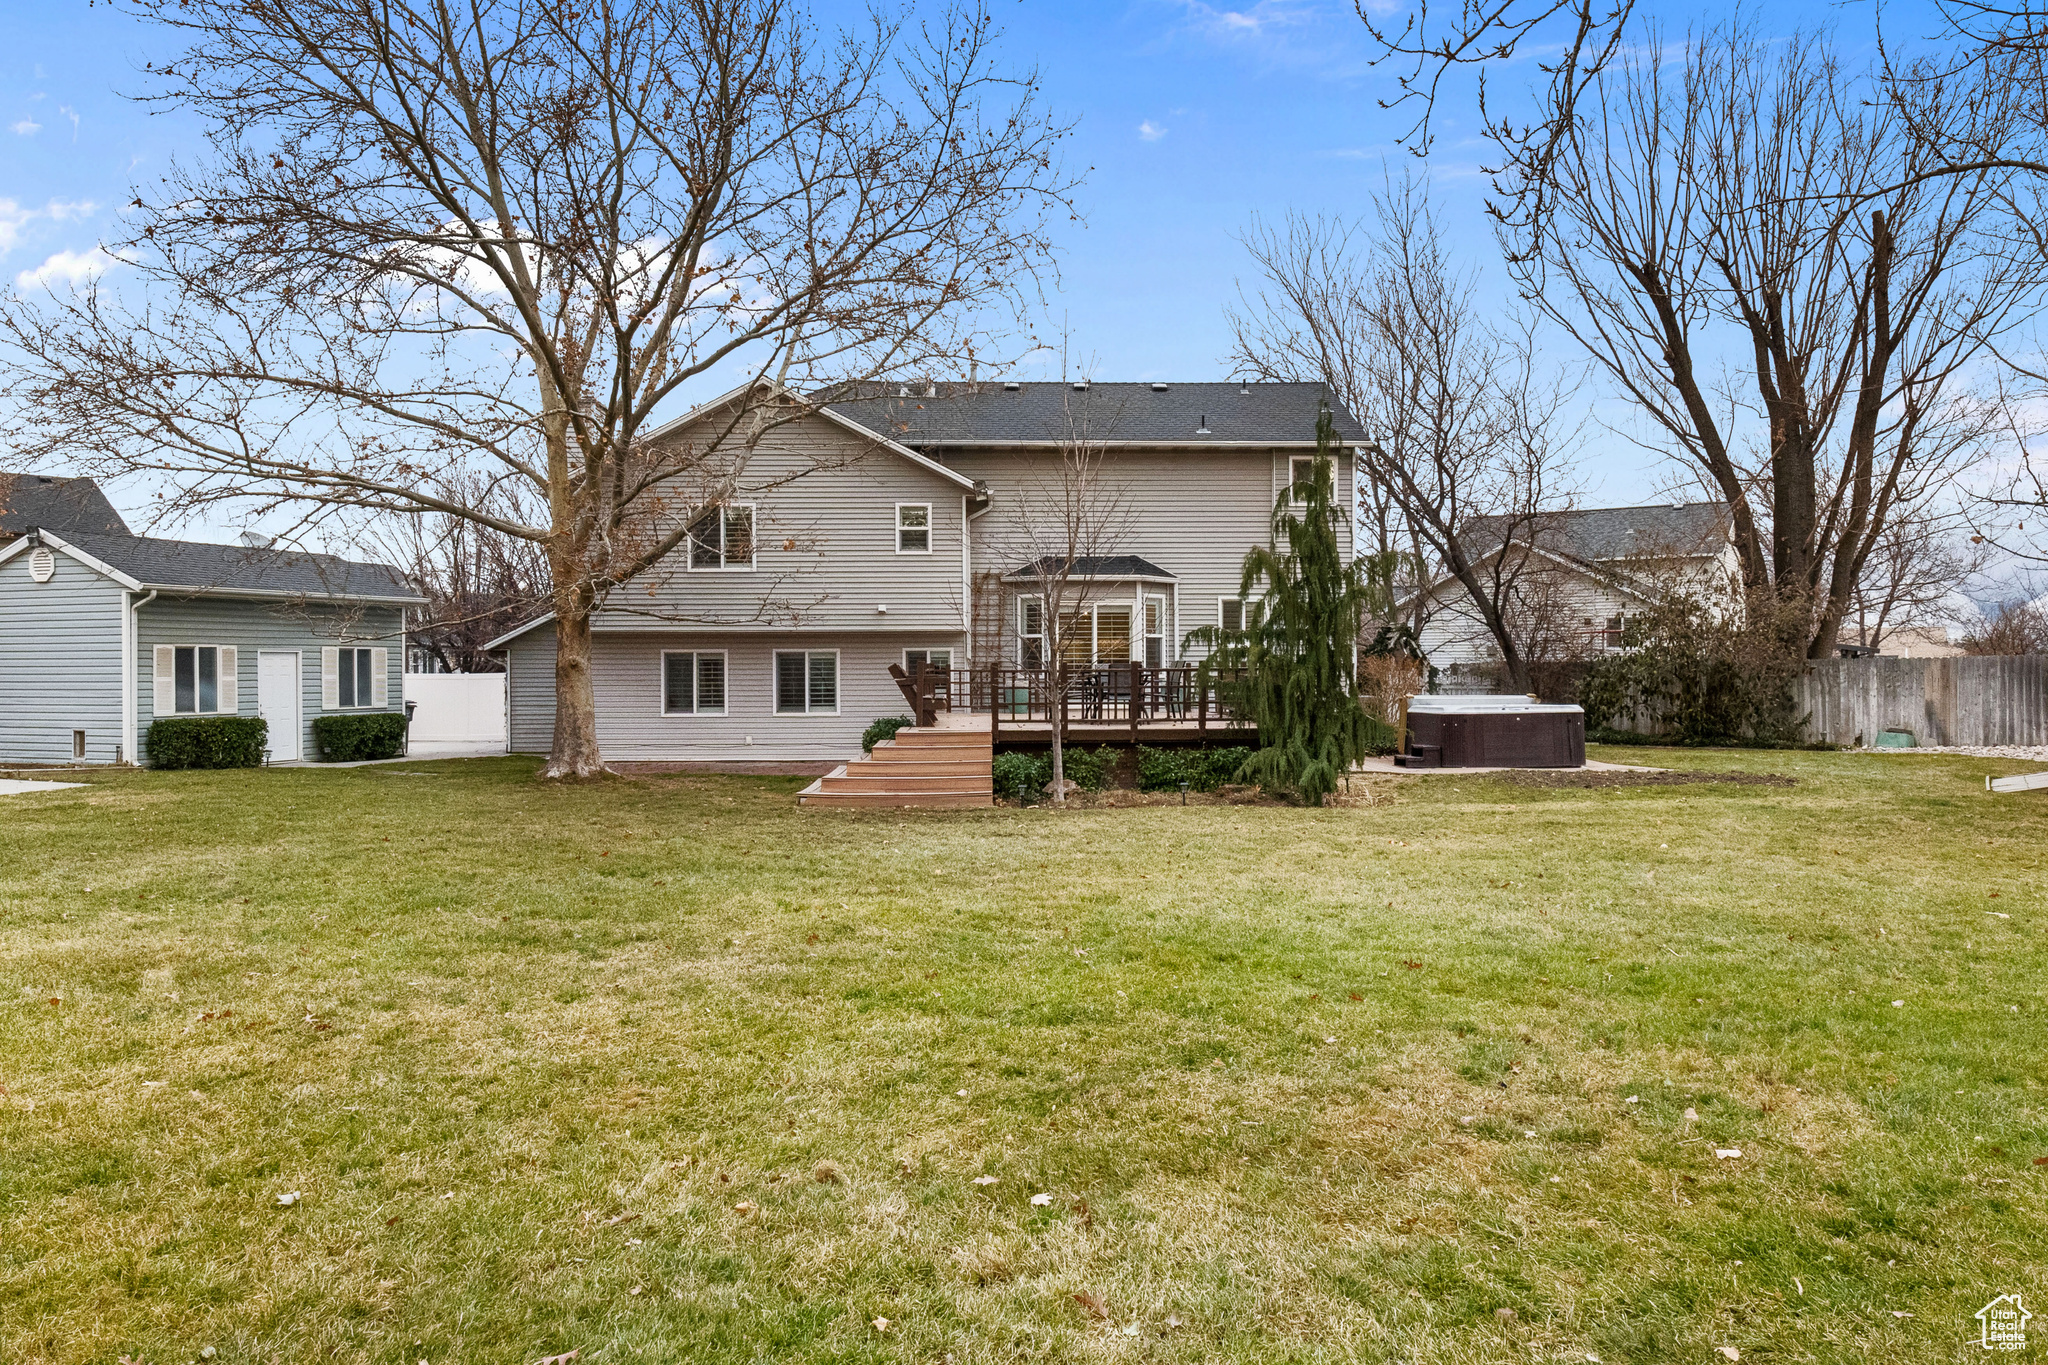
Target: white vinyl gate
[(466, 709)]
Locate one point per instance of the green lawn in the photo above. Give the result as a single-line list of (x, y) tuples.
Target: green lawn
[(670, 1070)]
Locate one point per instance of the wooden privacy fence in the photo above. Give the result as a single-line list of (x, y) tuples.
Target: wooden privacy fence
[(1973, 700)]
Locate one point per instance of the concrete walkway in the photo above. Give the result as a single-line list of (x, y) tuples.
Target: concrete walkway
[(421, 753), (11, 786), (1384, 763)]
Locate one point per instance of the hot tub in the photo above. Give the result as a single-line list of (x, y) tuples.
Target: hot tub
[(1493, 732)]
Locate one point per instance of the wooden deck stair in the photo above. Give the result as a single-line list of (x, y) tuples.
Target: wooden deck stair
[(945, 766)]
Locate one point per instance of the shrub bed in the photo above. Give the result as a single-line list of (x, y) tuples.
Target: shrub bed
[(1204, 770), (351, 739), (1024, 777), (207, 742), (885, 728)]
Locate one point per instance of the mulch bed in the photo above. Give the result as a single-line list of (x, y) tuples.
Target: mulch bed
[(1361, 794), (1591, 778)]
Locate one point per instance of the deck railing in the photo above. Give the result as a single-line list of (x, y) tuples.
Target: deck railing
[(1123, 696)]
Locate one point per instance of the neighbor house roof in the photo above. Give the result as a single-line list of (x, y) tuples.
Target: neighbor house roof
[(1038, 414), (28, 501), (1094, 566), (1603, 534), (144, 563)]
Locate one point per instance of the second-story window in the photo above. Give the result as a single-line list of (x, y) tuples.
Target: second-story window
[(913, 528), (723, 538)]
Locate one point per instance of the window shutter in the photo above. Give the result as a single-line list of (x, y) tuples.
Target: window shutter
[(165, 677), (230, 694), (330, 679), (380, 677)]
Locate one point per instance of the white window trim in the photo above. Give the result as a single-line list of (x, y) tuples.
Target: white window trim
[(227, 681), (1023, 635), (1336, 474), (930, 540), (838, 683), (380, 677), (690, 546), (1143, 635), (661, 683)]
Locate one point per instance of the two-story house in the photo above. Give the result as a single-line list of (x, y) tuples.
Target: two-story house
[(1578, 577), (901, 528)]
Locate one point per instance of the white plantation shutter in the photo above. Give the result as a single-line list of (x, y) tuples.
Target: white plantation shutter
[(229, 697), (380, 678), (330, 679), (166, 680)]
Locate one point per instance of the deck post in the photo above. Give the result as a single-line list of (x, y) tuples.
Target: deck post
[(1137, 696), (995, 706), (1201, 703)]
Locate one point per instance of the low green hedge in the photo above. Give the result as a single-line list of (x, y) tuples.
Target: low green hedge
[(1024, 777), (350, 739), (207, 742), (1204, 770), (882, 729)]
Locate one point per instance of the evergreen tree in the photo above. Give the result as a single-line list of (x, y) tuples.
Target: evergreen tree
[(1300, 685)]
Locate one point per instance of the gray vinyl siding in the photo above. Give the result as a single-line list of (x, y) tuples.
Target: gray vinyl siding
[(60, 662), (626, 676), (530, 690), (825, 546), (1193, 513), (256, 626)]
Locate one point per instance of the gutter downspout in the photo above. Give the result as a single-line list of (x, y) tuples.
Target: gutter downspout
[(967, 519), (131, 632)]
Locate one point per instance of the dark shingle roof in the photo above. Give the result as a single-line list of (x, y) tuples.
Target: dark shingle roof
[(197, 566), (61, 505), (1599, 534), (1094, 566), (992, 413)]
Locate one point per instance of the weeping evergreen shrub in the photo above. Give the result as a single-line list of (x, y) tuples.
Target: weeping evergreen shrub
[(1300, 686)]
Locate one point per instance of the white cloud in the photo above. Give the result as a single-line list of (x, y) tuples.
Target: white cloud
[(1253, 21), (27, 127), (13, 217), (65, 110), (71, 268), (1150, 131)]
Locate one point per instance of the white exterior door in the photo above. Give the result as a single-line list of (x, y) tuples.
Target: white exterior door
[(278, 693)]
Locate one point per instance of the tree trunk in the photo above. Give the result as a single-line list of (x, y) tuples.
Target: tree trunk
[(575, 752), (1059, 735)]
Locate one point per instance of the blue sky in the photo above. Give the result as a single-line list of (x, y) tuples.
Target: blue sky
[(1191, 115)]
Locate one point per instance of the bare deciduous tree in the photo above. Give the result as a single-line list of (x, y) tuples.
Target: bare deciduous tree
[(1469, 441), (478, 582), (1069, 512), (1915, 575), (439, 249), (1727, 214)]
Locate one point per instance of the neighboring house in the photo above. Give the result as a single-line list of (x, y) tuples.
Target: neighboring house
[(1918, 642), (1582, 575), (28, 501), (101, 634), (891, 530)]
